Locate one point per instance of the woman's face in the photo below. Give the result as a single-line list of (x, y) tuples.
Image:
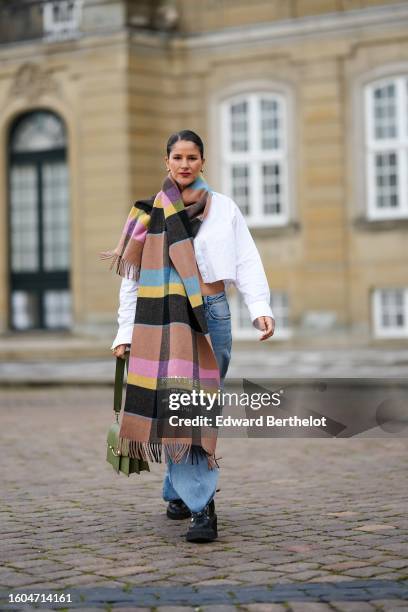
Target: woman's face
[(185, 162)]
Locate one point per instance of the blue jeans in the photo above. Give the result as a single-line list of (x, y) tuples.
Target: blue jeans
[(195, 483)]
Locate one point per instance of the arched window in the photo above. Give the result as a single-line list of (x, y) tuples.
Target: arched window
[(39, 259), (254, 156), (386, 104)]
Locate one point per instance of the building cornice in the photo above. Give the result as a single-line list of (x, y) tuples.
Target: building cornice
[(311, 26), (272, 33), (41, 48)]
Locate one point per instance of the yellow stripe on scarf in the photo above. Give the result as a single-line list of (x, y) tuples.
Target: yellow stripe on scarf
[(142, 381), (141, 215), (173, 209), (196, 299), (149, 291)]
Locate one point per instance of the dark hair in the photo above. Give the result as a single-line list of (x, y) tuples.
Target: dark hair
[(185, 135)]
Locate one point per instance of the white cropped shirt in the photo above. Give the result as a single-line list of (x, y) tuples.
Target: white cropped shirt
[(224, 250)]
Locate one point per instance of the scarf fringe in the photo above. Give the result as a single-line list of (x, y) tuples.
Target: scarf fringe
[(124, 268), (152, 451)]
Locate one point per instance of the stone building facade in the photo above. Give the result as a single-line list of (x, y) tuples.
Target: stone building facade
[(302, 105)]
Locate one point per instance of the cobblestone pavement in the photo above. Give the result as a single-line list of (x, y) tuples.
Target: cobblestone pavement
[(305, 524)]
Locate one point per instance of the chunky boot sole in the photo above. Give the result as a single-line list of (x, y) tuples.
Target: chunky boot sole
[(204, 534), (178, 516)]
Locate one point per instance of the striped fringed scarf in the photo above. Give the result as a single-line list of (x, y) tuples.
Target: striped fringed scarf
[(171, 350)]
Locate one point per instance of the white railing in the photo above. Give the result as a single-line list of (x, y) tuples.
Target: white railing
[(61, 18)]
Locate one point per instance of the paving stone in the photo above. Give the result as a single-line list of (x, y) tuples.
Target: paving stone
[(249, 567), (215, 608), (395, 575), (305, 606), (258, 577), (117, 572), (332, 578), (307, 576), (270, 607), (17, 579), (397, 563), (354, 606), (374, 527), (364, 572), (391, 605), (286, 567), (345, 565)]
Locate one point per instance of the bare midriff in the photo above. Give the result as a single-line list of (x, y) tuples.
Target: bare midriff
[(210, 288)]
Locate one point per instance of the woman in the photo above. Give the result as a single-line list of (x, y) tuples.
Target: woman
[(177, 251)]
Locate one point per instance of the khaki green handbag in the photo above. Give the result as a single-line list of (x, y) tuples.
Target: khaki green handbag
[(119, 462)]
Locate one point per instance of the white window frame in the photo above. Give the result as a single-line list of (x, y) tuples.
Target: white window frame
[(398, 145), (61, 29), (388, 332), (250, 332), (256, 156)]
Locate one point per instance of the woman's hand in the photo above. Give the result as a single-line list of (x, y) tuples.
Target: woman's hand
[(120, 350), (265, 324)]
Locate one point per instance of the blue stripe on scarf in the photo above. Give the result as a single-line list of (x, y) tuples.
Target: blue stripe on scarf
[(191, 285), (156, 278)]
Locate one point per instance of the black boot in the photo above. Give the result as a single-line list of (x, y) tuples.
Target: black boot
[(203, 526), (177, 510)]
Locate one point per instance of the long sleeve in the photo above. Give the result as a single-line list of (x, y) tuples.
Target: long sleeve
[(251, 279), (126, 311)]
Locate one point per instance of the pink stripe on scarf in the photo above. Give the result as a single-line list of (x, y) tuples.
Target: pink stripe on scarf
[(173, 367), (136, 230), (166, 202)]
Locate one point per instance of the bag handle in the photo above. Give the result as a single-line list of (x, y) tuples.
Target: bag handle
[(119, 375)]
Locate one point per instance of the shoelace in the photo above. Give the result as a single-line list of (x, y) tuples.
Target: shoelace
[(195, 515)]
